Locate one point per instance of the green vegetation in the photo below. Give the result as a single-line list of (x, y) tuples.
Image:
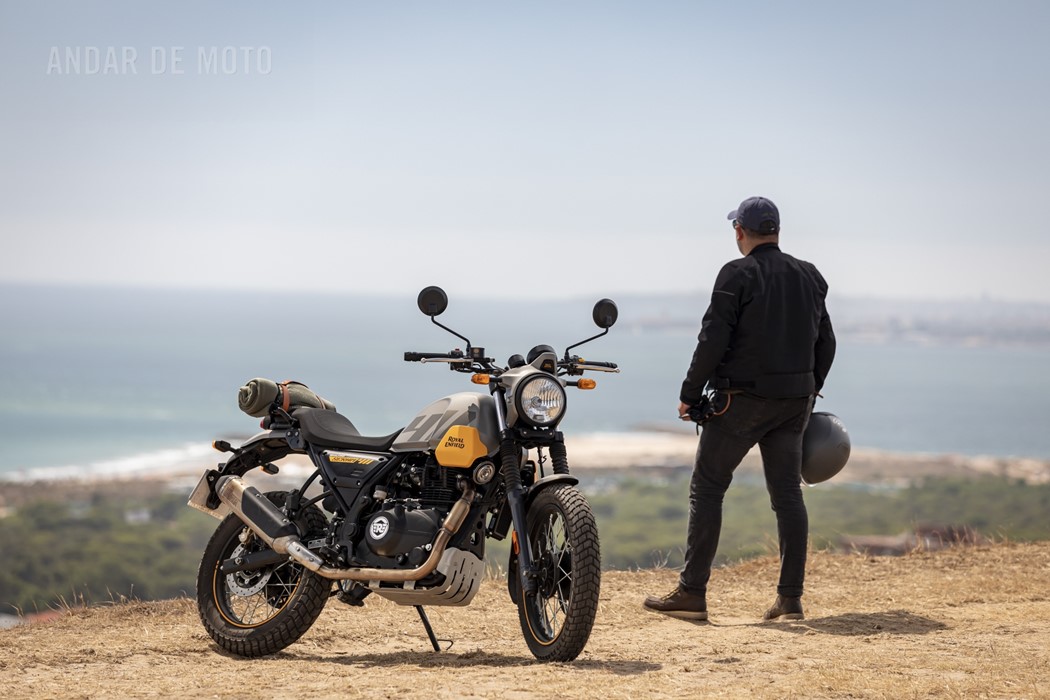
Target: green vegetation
[(643, 524), (109, 545), (100, 550)]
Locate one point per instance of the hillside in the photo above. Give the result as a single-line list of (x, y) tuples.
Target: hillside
[(961, 623)]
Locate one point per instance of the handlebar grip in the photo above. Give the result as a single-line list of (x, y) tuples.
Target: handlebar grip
[(610, 365), (417, 356)]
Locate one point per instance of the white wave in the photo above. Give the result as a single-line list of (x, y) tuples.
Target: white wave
[(165, 462)]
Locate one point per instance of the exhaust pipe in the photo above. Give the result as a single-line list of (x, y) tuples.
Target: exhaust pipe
[(274, 528)]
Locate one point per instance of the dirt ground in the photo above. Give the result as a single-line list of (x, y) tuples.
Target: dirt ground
[(969, 622)]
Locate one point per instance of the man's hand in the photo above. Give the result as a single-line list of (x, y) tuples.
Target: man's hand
[(683, 411)]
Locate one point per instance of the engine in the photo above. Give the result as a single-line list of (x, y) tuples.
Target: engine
[(402, 532), (408, 519)]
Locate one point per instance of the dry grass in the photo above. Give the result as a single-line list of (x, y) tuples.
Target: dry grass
[(969, 622)]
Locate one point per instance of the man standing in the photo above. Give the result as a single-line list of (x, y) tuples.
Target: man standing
[(765, 346)]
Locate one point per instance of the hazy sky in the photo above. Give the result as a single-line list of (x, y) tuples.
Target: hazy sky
[(538, 149)]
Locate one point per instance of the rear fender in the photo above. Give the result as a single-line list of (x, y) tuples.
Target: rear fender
[(262, 448)]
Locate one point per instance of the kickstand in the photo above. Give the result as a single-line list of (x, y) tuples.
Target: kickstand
[(430, 630)]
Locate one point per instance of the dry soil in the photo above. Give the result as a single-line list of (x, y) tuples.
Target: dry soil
[(969, 622)]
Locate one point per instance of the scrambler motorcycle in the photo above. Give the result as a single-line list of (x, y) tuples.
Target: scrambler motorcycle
[(406, 516)]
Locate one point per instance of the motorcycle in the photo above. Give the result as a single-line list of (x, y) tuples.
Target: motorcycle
[(406, 516)]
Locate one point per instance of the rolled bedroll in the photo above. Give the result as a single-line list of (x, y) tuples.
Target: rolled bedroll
[(258, 396)]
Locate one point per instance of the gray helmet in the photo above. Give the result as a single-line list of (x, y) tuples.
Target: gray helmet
[(825, 448)]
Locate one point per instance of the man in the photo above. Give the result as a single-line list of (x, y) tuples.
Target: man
[(765, 346)]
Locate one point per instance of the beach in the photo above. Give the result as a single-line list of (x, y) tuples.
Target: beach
[(631, 454)]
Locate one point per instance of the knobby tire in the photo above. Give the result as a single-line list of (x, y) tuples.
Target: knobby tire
[(557, 620), (298, 594)]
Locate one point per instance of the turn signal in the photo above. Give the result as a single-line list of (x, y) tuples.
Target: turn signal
[(586, 384), (481, 379)]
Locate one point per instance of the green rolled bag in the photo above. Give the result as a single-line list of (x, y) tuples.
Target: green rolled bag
[(258, 396)]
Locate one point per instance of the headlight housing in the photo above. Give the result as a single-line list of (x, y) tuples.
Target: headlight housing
[(540, 400)]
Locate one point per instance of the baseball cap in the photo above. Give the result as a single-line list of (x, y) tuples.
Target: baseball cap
[(757, 214)]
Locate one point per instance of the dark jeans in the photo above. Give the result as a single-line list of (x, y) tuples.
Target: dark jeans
[(776, 425)]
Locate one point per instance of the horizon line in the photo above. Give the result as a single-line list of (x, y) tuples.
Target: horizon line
[(983, 298)]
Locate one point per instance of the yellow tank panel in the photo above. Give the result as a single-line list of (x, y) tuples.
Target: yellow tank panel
[(460, 446)]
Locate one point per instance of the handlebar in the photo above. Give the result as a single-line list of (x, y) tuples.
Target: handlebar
[(573, 365), (418, 356)]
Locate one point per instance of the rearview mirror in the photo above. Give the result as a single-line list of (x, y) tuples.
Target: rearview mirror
[(605, 313), (432, 301)]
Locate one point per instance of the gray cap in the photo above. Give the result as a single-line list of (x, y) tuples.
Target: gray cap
[(757, 214)]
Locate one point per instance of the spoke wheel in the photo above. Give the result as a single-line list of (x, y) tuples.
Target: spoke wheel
[(258, 612), (557, 619)]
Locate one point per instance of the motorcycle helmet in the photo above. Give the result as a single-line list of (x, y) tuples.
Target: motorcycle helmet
[(825, 448)]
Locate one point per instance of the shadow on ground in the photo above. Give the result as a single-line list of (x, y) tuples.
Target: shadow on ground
[(470, 659), (864, 624)]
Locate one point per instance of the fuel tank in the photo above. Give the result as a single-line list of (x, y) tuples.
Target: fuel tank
[(458, 428)]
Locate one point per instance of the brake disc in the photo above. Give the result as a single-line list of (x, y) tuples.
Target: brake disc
[(246, 583)]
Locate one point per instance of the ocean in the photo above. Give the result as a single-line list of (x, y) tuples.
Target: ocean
[(111, 380)]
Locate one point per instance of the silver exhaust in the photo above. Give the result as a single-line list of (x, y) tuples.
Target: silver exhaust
[(271, 525)]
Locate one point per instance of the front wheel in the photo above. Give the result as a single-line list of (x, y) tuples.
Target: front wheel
[(563, 537), (258, 612)]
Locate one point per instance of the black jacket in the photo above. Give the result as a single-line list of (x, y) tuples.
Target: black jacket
[(766, 331)]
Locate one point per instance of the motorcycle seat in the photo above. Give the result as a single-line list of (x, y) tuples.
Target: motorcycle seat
[(330, 429)]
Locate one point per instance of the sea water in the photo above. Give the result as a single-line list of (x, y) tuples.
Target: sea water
[(116, 380)]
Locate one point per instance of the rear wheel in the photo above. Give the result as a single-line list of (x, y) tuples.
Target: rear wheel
[(563, 537), (258, 612)]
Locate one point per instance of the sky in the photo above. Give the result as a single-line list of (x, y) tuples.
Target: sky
[(523, 150)]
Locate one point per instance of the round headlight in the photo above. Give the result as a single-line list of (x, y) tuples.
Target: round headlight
[(541, 400)]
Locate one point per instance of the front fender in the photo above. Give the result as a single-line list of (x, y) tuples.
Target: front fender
[(546, 482)]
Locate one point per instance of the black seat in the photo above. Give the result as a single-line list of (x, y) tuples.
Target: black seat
[(330, 429)]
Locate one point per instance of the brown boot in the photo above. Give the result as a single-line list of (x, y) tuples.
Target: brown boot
[(678, 603), (784, 608)]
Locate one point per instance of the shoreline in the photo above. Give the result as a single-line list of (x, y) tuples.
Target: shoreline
[(672, 450), (653, 450)]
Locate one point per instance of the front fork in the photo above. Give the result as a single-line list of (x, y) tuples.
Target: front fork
[(510, 456), (510, 466)]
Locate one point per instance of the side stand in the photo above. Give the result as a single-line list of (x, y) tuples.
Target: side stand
[(430, 630)]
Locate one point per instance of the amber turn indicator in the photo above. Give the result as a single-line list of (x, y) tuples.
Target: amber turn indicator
[(586, 384), (480, 379)]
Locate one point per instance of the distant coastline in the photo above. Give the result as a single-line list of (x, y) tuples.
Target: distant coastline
[(110, 382), (976, 323), (644, 451)]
